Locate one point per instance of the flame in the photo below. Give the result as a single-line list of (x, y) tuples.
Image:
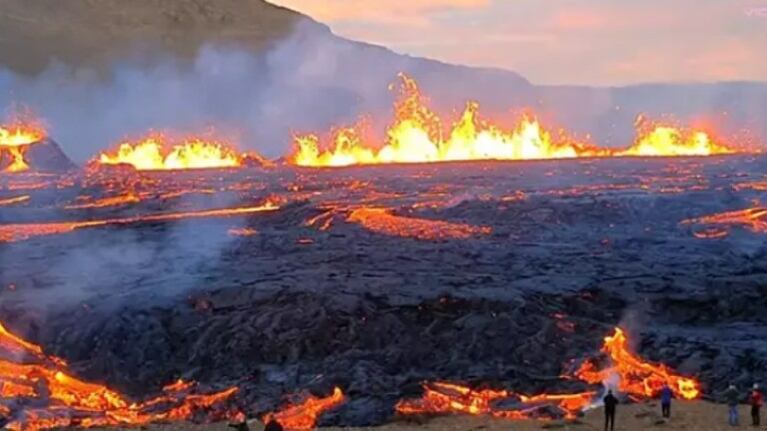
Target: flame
[(14, 141), (416, 136), (449, 398), (672, 141), (380, 220), (304, 415), (152, 154), (61, 400), (638, 379)]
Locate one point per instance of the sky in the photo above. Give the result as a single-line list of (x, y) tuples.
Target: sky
[(589, 42)]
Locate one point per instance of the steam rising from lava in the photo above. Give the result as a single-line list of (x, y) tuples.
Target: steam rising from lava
[(417, 136), (157, 153), (38, 392)]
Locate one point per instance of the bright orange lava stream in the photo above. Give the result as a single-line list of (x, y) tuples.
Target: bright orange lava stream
[(638, 379), (22, 231), (380, 220), (753, 219), (303, 414), (37, 392), (14, 141), (155, 153), (417, 135)]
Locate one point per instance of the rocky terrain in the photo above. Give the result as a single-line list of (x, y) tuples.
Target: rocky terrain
[(308, 296)]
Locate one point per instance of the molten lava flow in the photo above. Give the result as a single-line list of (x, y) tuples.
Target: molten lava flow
[(37, 392), (638, 379), (753, 219), (304, 414), (672, 141), (14, 141), (153, 153), (124, 199), (21, 232), (381, 221), (417, 136), (14, 200), (448, 398)]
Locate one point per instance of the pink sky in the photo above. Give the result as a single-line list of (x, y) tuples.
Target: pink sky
[(594, 42)]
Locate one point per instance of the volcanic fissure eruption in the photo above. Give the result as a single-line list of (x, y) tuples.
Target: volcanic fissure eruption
[(159, 153), (38, 392), (15, 140), (418, 135), (638, 379)]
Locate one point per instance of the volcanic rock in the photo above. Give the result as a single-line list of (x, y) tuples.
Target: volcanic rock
[(47, 156)]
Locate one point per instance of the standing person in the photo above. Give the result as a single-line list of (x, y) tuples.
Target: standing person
[(731, 396), (665, 400), (610, 403), (273, 425), (756, 405)]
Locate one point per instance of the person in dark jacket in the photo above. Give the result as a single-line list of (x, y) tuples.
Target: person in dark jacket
[(610, 402), (756, 405), (666, 394), (273, 425), (731, 396)]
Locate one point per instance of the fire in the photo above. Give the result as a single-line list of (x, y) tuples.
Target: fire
[(638, 378), (416, 136), (449, 398), (38, 392), (303, 415), (380, 220), (14, 141), (155, 153), (672, 141)]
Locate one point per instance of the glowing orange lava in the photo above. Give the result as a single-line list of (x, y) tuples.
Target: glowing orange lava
[(14, 141), (382, 221), (416, 136), (156, 153), (637, 378), (22, 231), (14, 200), (37, 392), (753, 219), (303, 414), (448, 398)]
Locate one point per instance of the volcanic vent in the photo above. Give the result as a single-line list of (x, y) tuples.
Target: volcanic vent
[(25, 147)]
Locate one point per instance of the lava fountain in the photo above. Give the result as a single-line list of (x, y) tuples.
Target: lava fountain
[(417, 136), (15, 139), (159, 152)]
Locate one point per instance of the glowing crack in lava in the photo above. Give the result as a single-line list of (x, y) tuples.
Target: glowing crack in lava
[(637, 378), (382, 221), (303, 414), (14, 142), (22, 231), (753, 219), (417, 136), (38, 392), (156, 153), (664, 141), (448, 398)]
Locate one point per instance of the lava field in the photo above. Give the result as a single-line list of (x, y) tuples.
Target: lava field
[(380, 279)]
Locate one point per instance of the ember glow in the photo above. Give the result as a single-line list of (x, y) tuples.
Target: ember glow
[(156, 153), (14, 141), (38, 392), (303, 414), (382, 221), (417, 136), (638, 379), (441, 398), (752, 219)]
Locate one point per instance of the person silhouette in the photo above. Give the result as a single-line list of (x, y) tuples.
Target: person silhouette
[(610, 403)]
